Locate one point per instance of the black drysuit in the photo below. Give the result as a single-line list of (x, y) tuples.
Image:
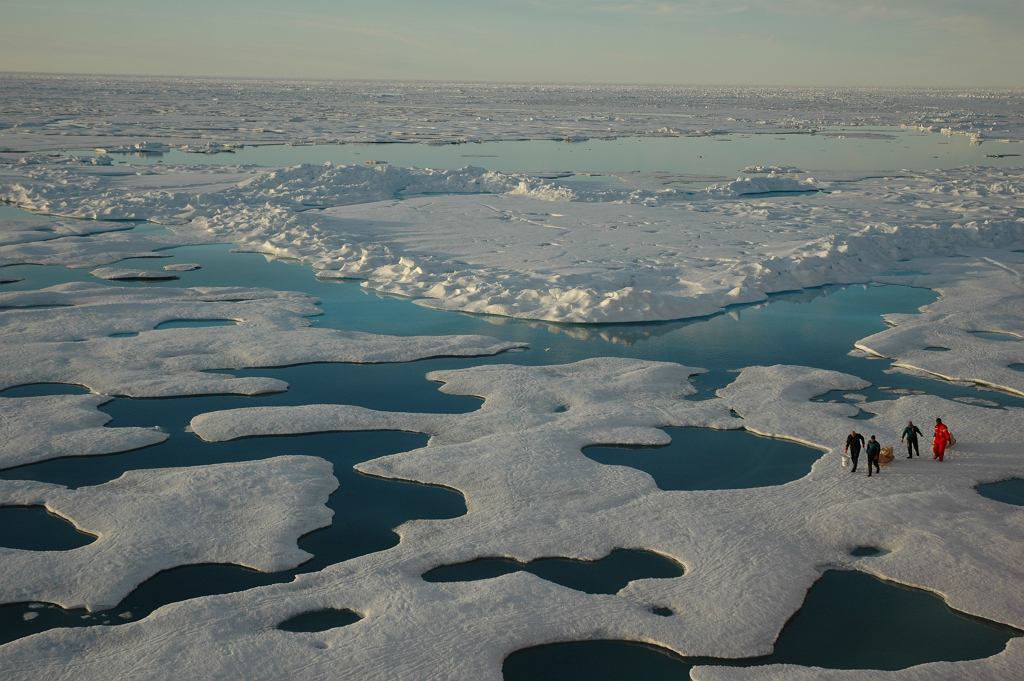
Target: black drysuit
[(853, 445)]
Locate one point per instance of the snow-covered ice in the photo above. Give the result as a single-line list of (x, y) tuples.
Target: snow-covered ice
[(985, 297), (515, 245), (146, 521), (182, 267), (749, 555), (122, 273), (38, 428), (212, 115), (70, 341)]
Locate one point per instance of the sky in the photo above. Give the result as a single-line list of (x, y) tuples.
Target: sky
[(913, 43)]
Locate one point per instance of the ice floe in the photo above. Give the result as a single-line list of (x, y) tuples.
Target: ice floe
[(749, 555), (38, 428), (67, 331), (182, 267), (123, 274), (506, 244), (146, 521), (985, 297)]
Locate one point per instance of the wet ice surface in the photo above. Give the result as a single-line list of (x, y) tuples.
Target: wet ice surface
[(525, 490)]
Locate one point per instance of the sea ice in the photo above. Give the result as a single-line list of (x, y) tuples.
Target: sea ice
[(494, 243), (70, 339), (121, 274), (38, 428), (750, 555), (182, 267), (133, 114), (981, 296), (146, 521)]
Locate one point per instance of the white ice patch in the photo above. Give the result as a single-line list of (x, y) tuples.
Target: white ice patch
[(771, 170), (249, 514), (121, 274), (494, 243), (38, 428), (182, 267), (70, 339), (750, 555), (974, 332)]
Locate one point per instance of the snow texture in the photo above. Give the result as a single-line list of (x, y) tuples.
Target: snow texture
[(151, 520), (148, 115), (749, 555), (69, 339), (120, 273), (38, 428), (183, 267), (984, 298), (513, 245)]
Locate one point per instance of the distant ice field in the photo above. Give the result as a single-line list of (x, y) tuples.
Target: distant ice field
[(691, 161)]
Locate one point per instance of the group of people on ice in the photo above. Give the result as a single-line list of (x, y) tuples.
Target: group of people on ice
[(854, 441)]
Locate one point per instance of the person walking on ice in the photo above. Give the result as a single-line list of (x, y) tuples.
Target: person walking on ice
[(943, 438), (874, 450), (853, 444), (910, 434)]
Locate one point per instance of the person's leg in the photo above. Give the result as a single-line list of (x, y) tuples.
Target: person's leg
[(854, 455), (876, 461), (916, 448), (910, 448)]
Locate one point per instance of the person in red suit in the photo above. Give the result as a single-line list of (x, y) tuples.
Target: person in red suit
[(941, 441)]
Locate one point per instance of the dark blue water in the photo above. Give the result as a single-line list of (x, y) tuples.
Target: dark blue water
[(366, 509), (320, 620), (606, 575), (704, 458), (849, 620), (867, 551), (194, 323), (33, 528), (1007, 491)]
